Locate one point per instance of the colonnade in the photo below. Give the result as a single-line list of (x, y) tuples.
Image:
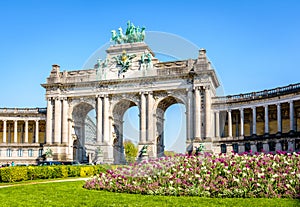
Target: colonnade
[(16, 121), (102, 111), (57, 121), (254, 118)]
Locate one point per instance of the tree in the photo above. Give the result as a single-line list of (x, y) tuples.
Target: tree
[(131, 151), (169, 153)]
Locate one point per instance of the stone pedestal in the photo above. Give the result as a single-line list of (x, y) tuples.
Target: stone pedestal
[(59, 151), (108, 155)]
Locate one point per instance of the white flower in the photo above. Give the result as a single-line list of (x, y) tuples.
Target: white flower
[(236, 179), (260, 175)]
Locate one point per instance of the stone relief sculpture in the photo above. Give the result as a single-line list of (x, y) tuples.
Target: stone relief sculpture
[(146, 61), (124, 61), (101, 66)]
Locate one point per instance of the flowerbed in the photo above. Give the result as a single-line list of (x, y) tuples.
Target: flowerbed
[(258, 175)]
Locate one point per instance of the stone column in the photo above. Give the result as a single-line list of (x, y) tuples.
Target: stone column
[(106, 127), (49, 122), (266, 119), (291, 116), (26, 131), (36, 131), (143, 118), (4, 131), (99, 120), (150, 135), (217, 124), (197, 112), (229, 123), (57, 121), (65, 121), (278, 118), (207, 112), (15, 131), (189, 115), (237, 125), (242, 122), (254, 120)]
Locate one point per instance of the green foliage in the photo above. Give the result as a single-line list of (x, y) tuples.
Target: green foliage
[(73, 171), (15, 174), (72, 194), (170, 153), (131, 151), (86, 171)]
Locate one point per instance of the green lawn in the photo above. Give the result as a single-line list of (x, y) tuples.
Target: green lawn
[(72, 194)]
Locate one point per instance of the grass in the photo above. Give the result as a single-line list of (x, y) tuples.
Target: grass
[(72, 194), (38, 181)]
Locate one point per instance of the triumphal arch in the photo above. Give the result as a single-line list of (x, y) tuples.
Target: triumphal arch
[(129, 76)]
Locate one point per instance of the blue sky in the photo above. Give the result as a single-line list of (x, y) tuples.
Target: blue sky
[(254, 44)]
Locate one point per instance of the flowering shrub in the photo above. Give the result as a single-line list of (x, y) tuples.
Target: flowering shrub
[(258, 175)]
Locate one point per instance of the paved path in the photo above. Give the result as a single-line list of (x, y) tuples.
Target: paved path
[(46, 181)]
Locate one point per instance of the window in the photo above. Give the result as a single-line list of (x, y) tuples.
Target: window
[(223, 148), (260, 147), (272, 146), (235, 148), (40, 152), (20, 153), (297, 144), (247, 147), (30, 153), (9, 153)]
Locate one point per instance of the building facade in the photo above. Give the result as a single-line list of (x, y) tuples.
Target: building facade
[(130, 76)]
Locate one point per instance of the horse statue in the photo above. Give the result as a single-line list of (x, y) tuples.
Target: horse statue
[(122, 37), (132, 34), (115, 37), (142, 34)]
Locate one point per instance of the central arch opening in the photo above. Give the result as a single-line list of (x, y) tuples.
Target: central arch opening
[(170, 126), (125, 125), (84, 133)]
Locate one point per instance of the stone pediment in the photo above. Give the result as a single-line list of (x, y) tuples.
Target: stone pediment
[(132, 48)]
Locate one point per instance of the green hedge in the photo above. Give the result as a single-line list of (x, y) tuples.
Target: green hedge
[(15, 174)]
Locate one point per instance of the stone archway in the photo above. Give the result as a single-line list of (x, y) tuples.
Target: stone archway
[(127, 81), (118, 112), (80, 123), (161, 108)]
